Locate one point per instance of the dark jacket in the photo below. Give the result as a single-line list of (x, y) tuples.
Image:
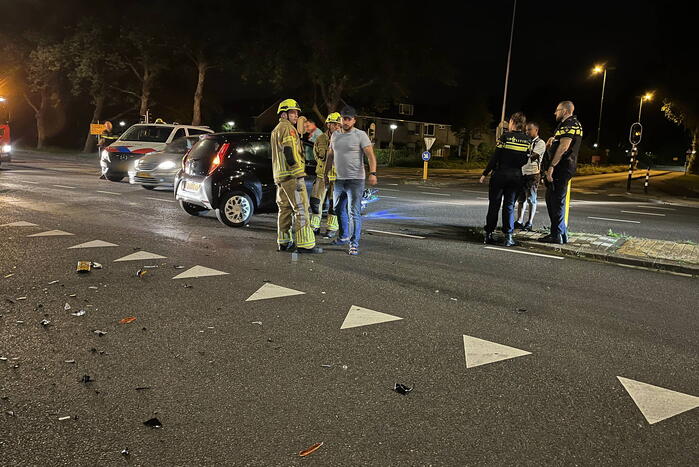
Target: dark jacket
[(511, 152)]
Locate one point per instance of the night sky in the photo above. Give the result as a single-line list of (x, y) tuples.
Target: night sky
[(556, 44)]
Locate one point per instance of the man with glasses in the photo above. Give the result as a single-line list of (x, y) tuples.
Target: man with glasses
[(347, 150), (560, 164)]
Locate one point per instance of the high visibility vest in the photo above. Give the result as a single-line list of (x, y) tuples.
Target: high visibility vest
[(285, 135)]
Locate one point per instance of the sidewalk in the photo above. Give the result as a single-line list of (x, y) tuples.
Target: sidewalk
[(642, 252)]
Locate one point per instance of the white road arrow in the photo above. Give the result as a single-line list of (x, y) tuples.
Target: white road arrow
[(481, 352), (51, 233), (139, 256), (656, 403), (272, 291), (19, 224), (359, 316), (93, 244), (199, 271)]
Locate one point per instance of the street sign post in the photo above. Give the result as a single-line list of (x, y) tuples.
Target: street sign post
[(97, 128), (635, 134), (426, 156), (429, 141)]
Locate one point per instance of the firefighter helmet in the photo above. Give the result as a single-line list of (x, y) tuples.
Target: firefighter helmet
[(288, 104), (334, 118)]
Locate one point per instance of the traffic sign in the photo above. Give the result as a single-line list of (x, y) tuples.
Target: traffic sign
[(429, 141), (426, 156), (635, 133), (97, 128)]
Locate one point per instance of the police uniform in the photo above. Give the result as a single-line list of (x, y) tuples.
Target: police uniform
[(321, 190), (292, 198), (511, 153), (557, 191)]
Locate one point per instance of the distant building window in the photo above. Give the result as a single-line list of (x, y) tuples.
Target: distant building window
[(406, 109), (429, 130)]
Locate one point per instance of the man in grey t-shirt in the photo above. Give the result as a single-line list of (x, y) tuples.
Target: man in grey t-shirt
[(348, 147)]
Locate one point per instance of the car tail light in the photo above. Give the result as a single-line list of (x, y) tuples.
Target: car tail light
[(216, 163), (184, 159)]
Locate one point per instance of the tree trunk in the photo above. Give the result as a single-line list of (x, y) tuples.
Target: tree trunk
[(202, 66), (146, 86), (41, 119), (96, 116), (692, 166)]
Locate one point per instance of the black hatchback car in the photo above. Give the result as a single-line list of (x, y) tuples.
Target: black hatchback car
[(230, 173)]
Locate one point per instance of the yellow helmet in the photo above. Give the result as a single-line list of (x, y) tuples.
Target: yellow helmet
[(334, 118), (288, 104), (159, 121)]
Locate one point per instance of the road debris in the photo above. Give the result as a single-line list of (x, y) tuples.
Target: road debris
[(311, 450), (83, 267), (257, 322), (179, 267), (21, 298), (8, 276), (128, 320), (66, 307), (125, 452), (93, 287), (326, 365), (521, 310), (142, 388), (150, 267), (73, 295), (62, 419), (53, 282), (402, 389), (96, 265), (86, 379), (141, 272), (69, 361), (153, 423), (187, 286), (99, 333), (78, 313), (11, 413), (45, 322)]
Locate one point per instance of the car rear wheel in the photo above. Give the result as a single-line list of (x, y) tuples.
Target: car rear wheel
[(149, 187), (114, 178), (191, 209), (235, 209)]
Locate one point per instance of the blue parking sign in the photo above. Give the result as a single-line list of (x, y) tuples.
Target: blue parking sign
[(426, 156)]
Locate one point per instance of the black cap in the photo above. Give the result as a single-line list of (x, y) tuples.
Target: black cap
[(348, 111)]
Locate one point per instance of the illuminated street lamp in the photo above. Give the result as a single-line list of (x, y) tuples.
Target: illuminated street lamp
[(646, 97), (230, 123), (393, 130), (2, 99), (595, 71), (122, 123)]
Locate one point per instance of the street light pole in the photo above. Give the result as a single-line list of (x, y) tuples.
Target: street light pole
[(601, 104), (393, 130), (507, 71)]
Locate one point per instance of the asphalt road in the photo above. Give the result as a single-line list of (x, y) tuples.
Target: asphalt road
[(240, 382)]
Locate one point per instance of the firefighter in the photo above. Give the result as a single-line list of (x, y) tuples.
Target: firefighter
[(321, 188), (105, 138), (288, 167), (511, 153)]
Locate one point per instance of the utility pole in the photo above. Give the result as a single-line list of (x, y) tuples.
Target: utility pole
[(507, 71)]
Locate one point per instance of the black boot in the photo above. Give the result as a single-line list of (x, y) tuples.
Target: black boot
[(555, 239), (564, 238), (509, 241), (285, 246), (489, 239), (518, 225), (315, 249)]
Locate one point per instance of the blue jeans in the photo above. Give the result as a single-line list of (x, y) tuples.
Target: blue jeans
[(349, 192)]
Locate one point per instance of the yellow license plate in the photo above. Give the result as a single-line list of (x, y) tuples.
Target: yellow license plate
[(192, 186), (143, 174)]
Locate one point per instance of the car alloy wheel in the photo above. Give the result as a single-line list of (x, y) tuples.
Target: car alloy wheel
[(235, 209)]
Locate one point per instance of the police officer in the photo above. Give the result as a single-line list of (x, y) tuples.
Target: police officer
[(560, 164), (511, 153), (321, 189), (288, 168), (105, 138)]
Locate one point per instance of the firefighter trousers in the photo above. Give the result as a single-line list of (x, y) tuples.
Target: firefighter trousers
[(293, 214), (321, 191)]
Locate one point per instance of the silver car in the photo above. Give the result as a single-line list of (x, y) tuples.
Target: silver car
[(159, 168)]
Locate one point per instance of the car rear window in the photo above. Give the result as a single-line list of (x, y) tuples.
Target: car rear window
[(147, 134), (205, 148)]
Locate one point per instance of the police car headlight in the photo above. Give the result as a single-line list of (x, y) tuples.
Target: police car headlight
[(7, 148), (105, 155), (167, 165)]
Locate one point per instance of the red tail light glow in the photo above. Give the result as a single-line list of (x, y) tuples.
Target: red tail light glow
[(219, 157)]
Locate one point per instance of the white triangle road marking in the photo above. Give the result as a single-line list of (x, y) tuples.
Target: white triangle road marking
[(199, 271), (268, 291), (140, 256), (93, 244), (19, 224), (656, 403), (51, 233), (481, 352), (358, 316)]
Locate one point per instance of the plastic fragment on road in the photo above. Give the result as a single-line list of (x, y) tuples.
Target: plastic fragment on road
[(78, 313), (311, 450), (66, 307), (61, 419), (153, 423), (154, 266), (53, 282), (257, 322), (95, 265), (83, 267), (402, 389), (45, 322), (141, 273), (86, 379), (21, 298), (187, 286), (8, 276), (99, 333), (128, 320), (93, 287), (179, 267), (69, 361), (125, 452), (521, 310)]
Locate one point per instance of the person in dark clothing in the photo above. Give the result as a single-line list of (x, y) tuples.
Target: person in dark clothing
[(560, 164), (511, 153)]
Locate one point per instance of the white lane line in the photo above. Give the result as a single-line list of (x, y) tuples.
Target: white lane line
[(436, 194), (27, 181), (644, 213), (388, 189), (474, 191), (64, 186), (480, 197), (657, 207), (388, 197), (614, 220), (171, 200), (522, 252), (395, 233), (109, 193), (391, 184), (615, 195)]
